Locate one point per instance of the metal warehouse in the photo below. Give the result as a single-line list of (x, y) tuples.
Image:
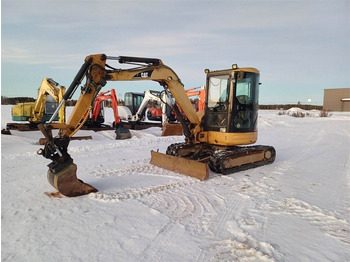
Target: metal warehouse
[(337, 99)]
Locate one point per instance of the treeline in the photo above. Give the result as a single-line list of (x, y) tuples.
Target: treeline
[(288, 106), (15, 100)]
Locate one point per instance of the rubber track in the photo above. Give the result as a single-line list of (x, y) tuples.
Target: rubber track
[(217, 157)]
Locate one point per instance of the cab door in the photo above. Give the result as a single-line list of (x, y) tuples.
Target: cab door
[(217, 103), (245, 103)]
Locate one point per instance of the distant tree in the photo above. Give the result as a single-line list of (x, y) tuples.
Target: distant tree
[(15, 100), (288, 106), (4, 100)]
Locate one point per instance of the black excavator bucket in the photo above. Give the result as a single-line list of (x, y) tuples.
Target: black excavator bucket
[(122, 132), (67, 183)]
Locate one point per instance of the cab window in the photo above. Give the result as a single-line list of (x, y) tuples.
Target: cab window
[(244, 91), (218, 91)]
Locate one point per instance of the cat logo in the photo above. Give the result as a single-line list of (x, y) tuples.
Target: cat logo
[(145, 74)]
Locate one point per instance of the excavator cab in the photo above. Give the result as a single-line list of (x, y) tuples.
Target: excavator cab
[(232, 102), (229, 123), (133, 101)]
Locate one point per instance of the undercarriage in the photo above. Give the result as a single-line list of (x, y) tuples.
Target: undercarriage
[(225, 159)]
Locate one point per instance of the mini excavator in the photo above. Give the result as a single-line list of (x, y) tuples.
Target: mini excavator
[(215, 138), (96, 118), (39, 111)]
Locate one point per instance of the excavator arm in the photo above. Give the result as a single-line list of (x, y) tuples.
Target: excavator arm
[(62, 170)]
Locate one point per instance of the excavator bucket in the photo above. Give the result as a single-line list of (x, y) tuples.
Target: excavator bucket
[(67, 183), (122, 132), (172, 130), (181, 165)]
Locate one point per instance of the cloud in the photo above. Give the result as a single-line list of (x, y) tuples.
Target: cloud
[(290, 41), (30, 54), (168, 44)]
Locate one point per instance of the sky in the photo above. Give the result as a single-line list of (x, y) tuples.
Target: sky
[(300, 47)]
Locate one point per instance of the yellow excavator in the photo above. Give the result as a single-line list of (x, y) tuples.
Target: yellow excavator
[(216, 137), (41, 110)]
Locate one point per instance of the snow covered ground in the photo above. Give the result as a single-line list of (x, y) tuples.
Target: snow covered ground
[(296, 209)]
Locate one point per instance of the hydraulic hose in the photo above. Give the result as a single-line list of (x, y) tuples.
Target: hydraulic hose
[(73, 86), (77, 80)]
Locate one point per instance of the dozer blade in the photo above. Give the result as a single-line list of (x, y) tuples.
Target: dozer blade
[(181, 165), (172, 130), (67, 183)]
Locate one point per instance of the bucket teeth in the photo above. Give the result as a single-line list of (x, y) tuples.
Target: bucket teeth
[(67, 183)]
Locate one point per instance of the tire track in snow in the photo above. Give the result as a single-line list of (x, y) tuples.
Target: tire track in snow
[(203, 209), (217, 225), (327, 223), (188, 208), (239, 244), (155, 249), (322, 219), (262, 192), (118, 144), (188, 204), (135, 193), (240, 249), (226, 240), (145, 169), (263, 195), (183, 202), (142, 165), (18, 155)]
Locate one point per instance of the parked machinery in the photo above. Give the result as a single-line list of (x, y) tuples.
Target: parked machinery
[(213, 137), (50, 94)]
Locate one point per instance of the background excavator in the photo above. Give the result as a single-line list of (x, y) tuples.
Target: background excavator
[(50, 94), (140, 110), (173, 127), (96, 117), (199, 92), (212, 136), (139, 104)]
